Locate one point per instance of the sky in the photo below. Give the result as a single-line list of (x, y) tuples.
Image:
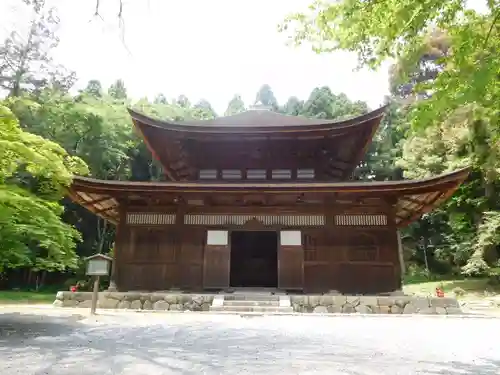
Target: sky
[(203, 49)]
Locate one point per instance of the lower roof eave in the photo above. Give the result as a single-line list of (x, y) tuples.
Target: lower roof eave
[(414, 198)]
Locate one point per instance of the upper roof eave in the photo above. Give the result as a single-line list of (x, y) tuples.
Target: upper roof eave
[(258, 121), (86, 183)]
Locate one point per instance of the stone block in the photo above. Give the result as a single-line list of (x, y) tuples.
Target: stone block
[(340, 300), (58, 303), (70, 303), (409, 309), (205, 306), (386, 301), (444, 302), (155, 297), (124, 305), (105, 303), (334, 292), (85, 304), (161, 305), (420, 302), (364, 309), (427, 311), (320, 310), (184, 298), (80, 296), (176, 307), (402, 301), (198, 300), (440, 310), (348, 309), (136, 305), (334, 309), (298, 300), (313, 301), (397, 293), (352, 300), (453, 310), (148, 305), (113, 295), (369, 301), (60, 296), (383, 309), (395, 309), (132, 297), (326, 300), (171, 299)]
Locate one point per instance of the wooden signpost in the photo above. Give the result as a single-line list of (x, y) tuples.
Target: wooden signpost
[(97, 265)]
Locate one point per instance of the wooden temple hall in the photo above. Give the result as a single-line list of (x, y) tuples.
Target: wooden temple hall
[(260, 200)]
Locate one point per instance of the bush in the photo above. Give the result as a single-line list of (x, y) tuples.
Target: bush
[(458, 292)]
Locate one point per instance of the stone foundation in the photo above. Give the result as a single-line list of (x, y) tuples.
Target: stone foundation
[(324, 304), (320, 304), (161, 301)]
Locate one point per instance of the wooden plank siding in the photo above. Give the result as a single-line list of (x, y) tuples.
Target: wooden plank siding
[(348, 258)]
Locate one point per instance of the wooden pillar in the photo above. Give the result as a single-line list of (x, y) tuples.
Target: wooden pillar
[(180, 229), (400, 254), (395, 245), (291, 260), (120, 243), (112, 277)]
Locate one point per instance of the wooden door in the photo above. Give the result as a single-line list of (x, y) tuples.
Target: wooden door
[(216, 267), (216, 264), (290, 264)]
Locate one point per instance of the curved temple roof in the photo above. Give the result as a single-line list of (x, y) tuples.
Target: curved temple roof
[(255, 121), (177, 144), (413, 198)]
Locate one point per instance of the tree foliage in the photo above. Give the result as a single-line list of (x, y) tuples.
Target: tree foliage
[(33, 175), (26, 64), (445, 81)]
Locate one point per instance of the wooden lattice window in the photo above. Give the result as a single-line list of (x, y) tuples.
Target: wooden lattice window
[(231, 174), (305, 174), (208, 174), (256, 174), (361, 220), (281, 174), (149, 218), (285, 220)]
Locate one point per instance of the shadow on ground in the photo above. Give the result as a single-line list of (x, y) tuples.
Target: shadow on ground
[(39, 345)]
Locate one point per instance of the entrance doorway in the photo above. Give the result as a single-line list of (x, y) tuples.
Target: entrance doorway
[(254, 259)]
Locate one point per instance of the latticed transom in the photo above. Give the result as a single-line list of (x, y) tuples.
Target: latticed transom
[(143, 218), (364, 220), (285, 220)]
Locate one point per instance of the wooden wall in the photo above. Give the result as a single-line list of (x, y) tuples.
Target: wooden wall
[(351, 259), (159, 258)]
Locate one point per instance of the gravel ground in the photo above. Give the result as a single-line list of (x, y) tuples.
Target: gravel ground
[(47, 343)]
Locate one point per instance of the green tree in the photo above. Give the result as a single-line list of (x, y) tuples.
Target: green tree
[(118, 90), (93, 88), (203, 110), (235, 106), (33, 175), (26, 64), (377, 30), (265, 96), (293, 106)]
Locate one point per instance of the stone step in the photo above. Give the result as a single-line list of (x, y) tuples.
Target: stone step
[(250, 297), (251, 303), (246, 309)]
